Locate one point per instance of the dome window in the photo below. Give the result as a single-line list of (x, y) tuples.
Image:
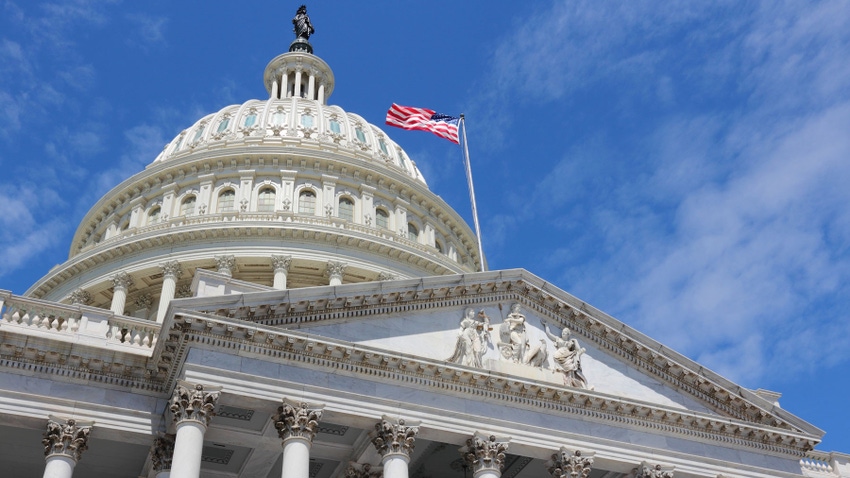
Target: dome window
[(346, 209), (227, 201), (223, 125), (179, 142), (198, 134), (412, 232), (250, 120), (401, 160), (360, 135), (187, 207), (382, 219), (265, 200), (154, 215), (383, 146), (307, 202), (334, 125), (278, 118), (307, 121)]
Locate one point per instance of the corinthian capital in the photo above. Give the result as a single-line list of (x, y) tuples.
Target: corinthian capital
[(645, 470), (485, 453), (363, 470), (171, 269), (193, 402), (297, 420), (80, 296), (122, 280), (281, 263), (225, 264), (335, 269), (567, 464), (66, 437), (393, 436), (162, 452)]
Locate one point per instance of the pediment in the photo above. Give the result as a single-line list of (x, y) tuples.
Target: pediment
[(414, 328)]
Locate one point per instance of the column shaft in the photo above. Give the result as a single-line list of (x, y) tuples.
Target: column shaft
[(486, 474), (58, 466), (279, 279), (297, 89), (188, 446), (169, 285), (119, 299), (296, 458), (395, 465)]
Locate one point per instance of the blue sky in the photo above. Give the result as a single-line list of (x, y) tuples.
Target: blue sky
[(683, 166)]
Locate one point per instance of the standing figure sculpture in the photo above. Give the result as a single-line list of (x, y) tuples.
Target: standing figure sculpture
[(568, 357), (513, 338), (303, 27), (472, 339)]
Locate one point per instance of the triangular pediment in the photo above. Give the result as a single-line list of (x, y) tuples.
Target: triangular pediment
[(434, 327)]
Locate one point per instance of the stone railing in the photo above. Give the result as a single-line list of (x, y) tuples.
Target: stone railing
[(76, 323), (818, 463)]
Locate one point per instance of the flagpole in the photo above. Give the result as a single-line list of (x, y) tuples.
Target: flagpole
[(472, 193)]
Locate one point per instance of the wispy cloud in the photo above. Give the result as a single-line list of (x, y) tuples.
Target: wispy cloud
[(726, 230), (149, 30)]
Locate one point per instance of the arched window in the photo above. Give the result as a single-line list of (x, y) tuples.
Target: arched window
[(307, 202), (412, 232), (227, 201), (346, 209), (334, 124), (153, 216), (382, 219), (187, 207), (265, 200)]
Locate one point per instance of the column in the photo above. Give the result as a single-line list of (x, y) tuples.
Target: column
[(335, 271), (121, 283), (393, 438), (162, 454), (486, 455), (321, 97), (137, 207), (297, 90), (192, 407), (275, 89), (64, 443), (225, 265), (311, 85), (171, 271), (281, 269), (645, 470), (297, 424), (568, 464)]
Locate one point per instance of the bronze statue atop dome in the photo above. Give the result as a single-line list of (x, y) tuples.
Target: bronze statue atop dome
[(303, 27)]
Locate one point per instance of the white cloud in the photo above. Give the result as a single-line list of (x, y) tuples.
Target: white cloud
[(734, 223)]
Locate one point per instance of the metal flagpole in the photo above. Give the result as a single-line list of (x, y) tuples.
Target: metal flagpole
[(472, 193)]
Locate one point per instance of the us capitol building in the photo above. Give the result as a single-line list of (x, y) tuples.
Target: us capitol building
[(279, 294)]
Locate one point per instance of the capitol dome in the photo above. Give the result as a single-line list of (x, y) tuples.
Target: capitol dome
[(286, 192)]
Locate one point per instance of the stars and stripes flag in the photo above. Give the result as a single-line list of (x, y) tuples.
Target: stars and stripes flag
[(407, 117)]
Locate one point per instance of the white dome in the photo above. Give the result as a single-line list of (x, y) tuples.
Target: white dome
[(296, 121)]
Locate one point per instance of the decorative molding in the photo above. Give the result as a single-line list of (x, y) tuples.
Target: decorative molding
[(144, 301), (363, 470), (385, 276), (568, 464), (193, 402), (394, 436), (297, 420), (67, 438), (162, 452), (485, 453)]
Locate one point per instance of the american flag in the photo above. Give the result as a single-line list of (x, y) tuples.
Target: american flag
[(407, 117)]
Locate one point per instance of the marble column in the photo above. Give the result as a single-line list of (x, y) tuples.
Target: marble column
[(394, 440), (64, 443), (171, 271), (225, 265), (281, 270), (121, 283), (570, 464), (297, 424), (192, 407), (486, 454), (162, 454), (335, 271)]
